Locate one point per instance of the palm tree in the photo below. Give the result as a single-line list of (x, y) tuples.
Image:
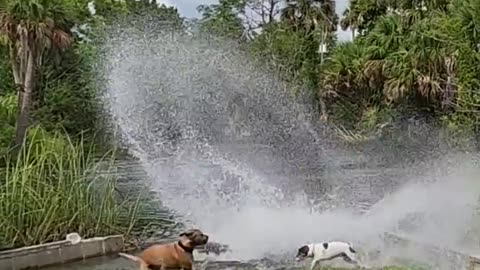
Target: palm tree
[(30, 28), (313, 17), (308, 14), (362, 14), (412, 57), (410, 54), (289, 13), (468, 13), (349, 21), (343, 73), (222, 19)]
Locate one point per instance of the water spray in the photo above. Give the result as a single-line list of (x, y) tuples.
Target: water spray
[(231, 150)]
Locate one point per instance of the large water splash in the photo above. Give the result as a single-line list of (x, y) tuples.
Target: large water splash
[(232, 152)]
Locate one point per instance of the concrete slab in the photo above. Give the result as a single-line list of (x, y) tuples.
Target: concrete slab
[(59, 252)]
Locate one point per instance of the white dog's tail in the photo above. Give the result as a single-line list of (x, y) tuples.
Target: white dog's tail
[(143, 264), (351, 255), (350, 247)]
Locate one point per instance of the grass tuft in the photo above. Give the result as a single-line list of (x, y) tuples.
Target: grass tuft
[(56, 186)]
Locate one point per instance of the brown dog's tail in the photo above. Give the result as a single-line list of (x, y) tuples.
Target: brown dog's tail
[(143, 264)]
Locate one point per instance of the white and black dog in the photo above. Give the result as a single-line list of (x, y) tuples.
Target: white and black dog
[(327, 251)]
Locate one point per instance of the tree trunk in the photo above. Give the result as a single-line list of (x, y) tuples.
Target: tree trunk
[(25, 100), (449, 91), (323, 106), (19, 84), (323, 109)]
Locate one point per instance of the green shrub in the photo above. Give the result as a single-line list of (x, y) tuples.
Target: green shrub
[(54, 188), (8, 109)]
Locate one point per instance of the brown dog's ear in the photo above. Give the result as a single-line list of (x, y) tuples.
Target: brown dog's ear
[(187, 233)]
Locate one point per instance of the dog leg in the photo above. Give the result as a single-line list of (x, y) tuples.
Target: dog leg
[(349, 260), (203, 265), (313, 264), (143, 264)]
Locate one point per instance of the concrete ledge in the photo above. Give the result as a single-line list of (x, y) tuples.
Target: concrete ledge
[(59, 252)]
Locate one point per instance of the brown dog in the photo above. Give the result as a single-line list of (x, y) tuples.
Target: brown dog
[(176, 255)]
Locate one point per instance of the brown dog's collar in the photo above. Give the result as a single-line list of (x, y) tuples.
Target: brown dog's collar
[(187, 249)]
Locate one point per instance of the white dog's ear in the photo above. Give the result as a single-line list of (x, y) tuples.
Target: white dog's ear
[(325, 245)]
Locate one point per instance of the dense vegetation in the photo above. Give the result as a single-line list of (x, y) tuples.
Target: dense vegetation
[(406, 58), (51, 180)]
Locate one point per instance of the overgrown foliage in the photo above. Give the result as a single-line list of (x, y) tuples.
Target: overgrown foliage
[(411, 58), (406, 58), (58, 186), (53, 185)]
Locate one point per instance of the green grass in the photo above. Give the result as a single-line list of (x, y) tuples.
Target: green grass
[(52, 189)]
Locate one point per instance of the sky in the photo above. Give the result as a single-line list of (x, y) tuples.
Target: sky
[(187, 8)]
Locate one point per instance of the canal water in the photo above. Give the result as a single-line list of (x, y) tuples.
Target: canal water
[(116, 263), (101, 263), (133, 179)]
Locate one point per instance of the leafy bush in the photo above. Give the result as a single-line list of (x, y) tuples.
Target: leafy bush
[(54, 188), (8, 109)]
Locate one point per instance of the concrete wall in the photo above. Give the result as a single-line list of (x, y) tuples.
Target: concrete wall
[(59, 252)]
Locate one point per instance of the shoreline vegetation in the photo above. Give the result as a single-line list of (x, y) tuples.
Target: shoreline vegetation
[(55, 186), (406, 61)]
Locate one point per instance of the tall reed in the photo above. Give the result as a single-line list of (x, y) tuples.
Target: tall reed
[(56, 186)]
